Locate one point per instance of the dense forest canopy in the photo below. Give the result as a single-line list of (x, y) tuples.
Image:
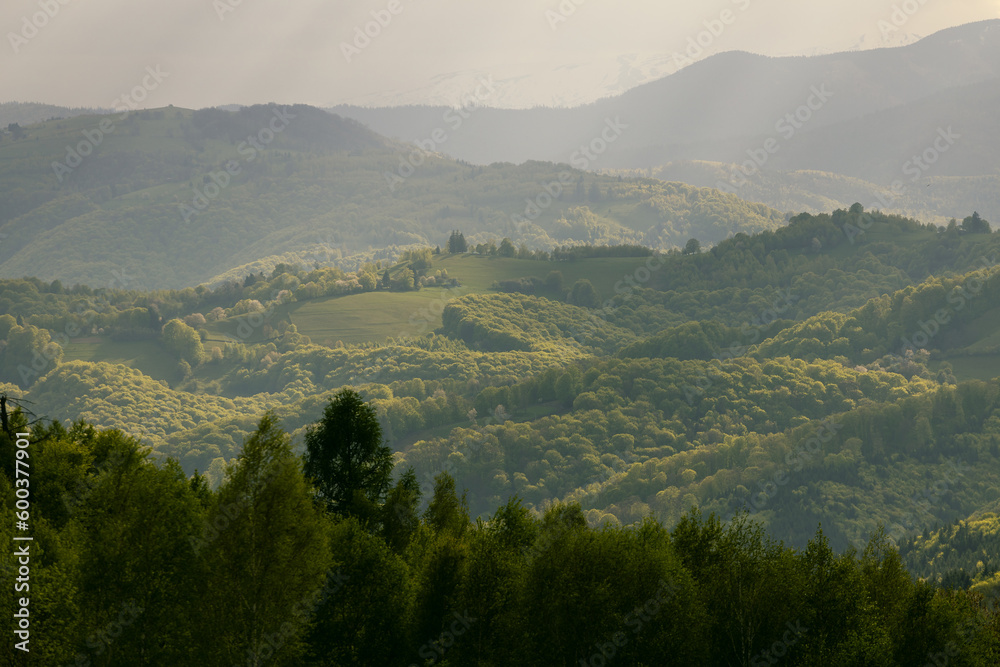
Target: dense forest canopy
[(628, 381), (703, 372), (823, 395), (137, 564)]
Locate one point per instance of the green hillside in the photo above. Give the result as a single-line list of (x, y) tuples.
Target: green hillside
[(631, 382), (175, 198), (702, 372), (960, 554), (375, 317)]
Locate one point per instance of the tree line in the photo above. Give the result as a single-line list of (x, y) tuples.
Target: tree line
[(326, 558)]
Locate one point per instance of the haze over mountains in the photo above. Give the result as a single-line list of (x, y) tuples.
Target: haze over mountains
[(708, 124), (664, 378), (877, 110), (184, 197)]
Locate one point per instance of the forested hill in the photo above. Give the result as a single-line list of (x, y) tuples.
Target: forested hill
[(177, 198), (630, 381), (29, 113), (960, 554)]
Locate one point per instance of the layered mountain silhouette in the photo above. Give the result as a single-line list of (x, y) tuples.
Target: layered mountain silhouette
[(859, 114)]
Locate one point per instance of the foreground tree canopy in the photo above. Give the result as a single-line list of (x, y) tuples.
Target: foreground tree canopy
[(135, 564), (346, 458)]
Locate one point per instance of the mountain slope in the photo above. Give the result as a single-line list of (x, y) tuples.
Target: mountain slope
[(28, 113), (177, 198), (696, 384), (934, 199), (862, 119), (730, 95)]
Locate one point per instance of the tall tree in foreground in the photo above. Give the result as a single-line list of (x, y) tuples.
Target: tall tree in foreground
[(364, 617), (346, 458), (266, 547), (437, 555), (135, 520)]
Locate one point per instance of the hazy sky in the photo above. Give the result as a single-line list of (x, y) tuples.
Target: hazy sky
[(212, 52)]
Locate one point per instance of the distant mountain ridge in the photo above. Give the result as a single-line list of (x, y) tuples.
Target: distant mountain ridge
[(878, 110), (749, 92), (27, 113)]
